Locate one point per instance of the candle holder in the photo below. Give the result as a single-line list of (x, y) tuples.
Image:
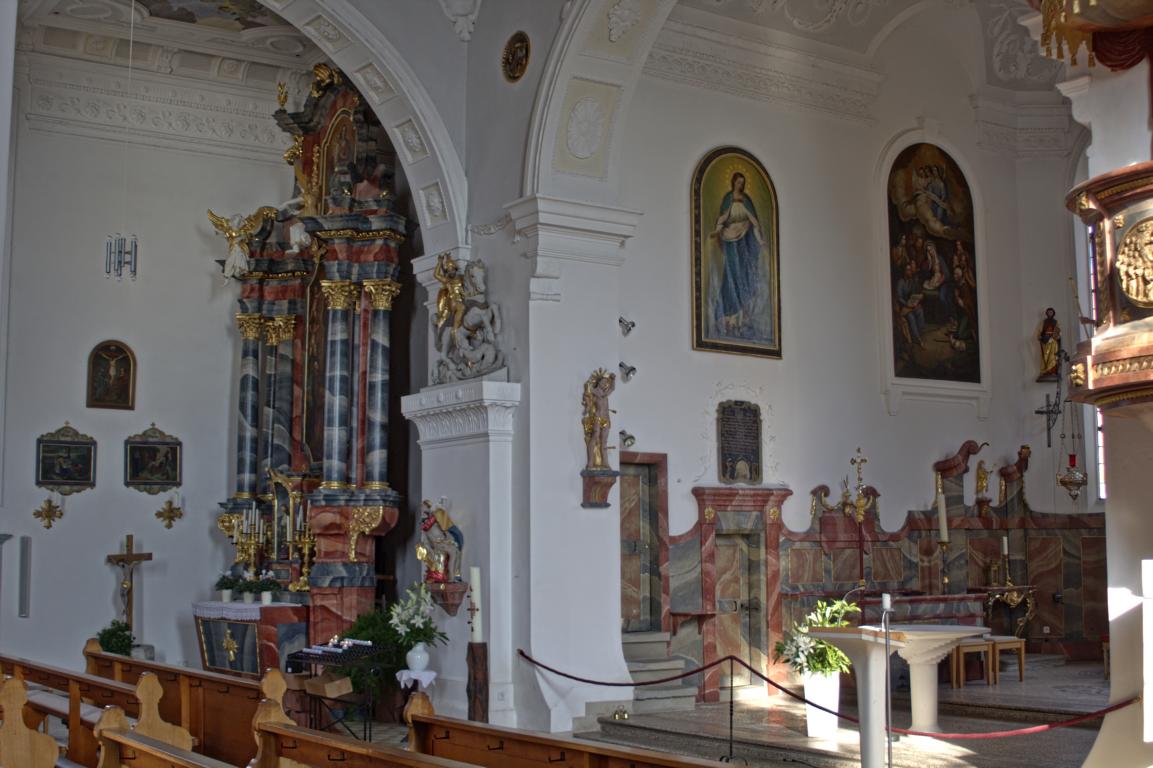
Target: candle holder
[(942, 546), (305, 541), (448, 594)]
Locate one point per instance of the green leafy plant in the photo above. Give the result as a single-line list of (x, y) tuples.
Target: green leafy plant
[(411, 617), (227, 581), (116, 638), (808, 655), (266, 584), (375, 627), (256, 584)]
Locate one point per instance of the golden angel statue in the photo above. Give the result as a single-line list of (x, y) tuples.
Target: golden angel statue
[(596, 420), (236, 229)]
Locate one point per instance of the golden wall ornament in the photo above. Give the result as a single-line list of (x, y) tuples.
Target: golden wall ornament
[(363, 521), (282, 94), (324, 76), (293, 153), (515, 57), (1134, 264), (250, 325), (279, 329), (1077, 375), (236, 229), (48, 513), (381, 292), (169, 513), (339, 294)]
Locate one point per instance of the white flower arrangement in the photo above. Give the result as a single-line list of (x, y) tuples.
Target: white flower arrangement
[(411, 617)]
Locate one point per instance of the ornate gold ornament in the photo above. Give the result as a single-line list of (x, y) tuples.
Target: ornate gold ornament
[(339, 293), (324, 77), (364, 520), (293, 153), (1119, 221), (48, 513), (1135, 263), (1118, 367), (1103, 291), (359, 235), (515, 57), (170, 513), (229, 523), (250, 325), (381, 292), (229, 644), (774, 514), (1077, 375), (279, 329), (710, 514), (595, 419), (282, 94)]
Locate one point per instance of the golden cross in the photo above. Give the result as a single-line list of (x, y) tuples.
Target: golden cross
[(127, 561), (859, 462)]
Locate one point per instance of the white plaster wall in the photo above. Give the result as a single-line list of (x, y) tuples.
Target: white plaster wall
[(1115, 107), (824, 398), (178, 318)]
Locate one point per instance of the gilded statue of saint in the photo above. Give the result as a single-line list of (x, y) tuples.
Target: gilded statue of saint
[(596, 421), (450, 298)]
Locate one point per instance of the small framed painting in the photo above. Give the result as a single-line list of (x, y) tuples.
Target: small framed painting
[(736, 286), (153, 461), (65, 461), (112, 376)]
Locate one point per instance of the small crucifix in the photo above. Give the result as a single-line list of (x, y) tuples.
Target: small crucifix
[(127, 561)]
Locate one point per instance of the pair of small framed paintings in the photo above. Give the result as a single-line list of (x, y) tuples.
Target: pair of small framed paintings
[(66, 461)]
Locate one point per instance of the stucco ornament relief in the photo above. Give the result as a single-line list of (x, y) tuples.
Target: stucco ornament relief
[(327, 34), (1014, 54), (434, 204), (410, 135), (623, 16), (374, 82), (586, 128), (462, 14), (819, 15)]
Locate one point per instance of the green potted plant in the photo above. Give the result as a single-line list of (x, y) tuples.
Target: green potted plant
[(116, 638), (266, 586), (411, 617), (819, 664), (225, 584)]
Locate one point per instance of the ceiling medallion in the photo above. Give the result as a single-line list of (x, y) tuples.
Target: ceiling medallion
[(514, 60)]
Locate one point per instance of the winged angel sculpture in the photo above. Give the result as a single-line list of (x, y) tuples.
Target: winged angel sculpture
[(236, 229)]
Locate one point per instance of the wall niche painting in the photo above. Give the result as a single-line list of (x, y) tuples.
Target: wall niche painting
[(736, 285), (932, 266), (112, 376)]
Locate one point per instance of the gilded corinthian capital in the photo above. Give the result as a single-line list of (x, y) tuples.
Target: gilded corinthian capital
[(250, 325), (339, 293), (278, 329), (381, 292)]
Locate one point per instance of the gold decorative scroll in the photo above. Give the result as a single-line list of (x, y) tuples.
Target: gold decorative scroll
[(250, 325), (339, 293), (364, 520), (381, 292), (1135, 263), (356, 234)]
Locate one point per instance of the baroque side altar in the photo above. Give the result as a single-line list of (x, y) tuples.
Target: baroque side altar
[(317, 276)]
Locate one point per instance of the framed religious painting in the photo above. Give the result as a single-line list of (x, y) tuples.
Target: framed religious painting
[(736, 277), (112, 376), (153, 461), (65, 461), (935, 312)]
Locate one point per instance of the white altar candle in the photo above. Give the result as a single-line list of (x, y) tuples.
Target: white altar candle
[(1004, 545), (886, 602), (477, 634), (942, 518)]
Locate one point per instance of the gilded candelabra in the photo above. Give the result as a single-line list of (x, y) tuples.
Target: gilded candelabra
[(305, 542)]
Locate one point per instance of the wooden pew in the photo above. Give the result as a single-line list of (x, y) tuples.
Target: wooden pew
[(74, 697), (281, 743), (495, 747), (123, 747), (21, 746), (216, 709)]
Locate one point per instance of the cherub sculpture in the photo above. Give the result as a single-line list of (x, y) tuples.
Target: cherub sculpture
[(595, 419), (236, 229), (441, 543), (465, 325)]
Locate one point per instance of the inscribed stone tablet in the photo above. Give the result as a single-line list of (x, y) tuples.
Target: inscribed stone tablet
[(739, 442)]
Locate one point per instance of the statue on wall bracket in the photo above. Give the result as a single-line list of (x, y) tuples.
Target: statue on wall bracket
[(440, 548), (466, 324), (598, 477)]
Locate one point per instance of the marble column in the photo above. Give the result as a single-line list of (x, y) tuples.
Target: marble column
[(248, 411), (380, 296), (279, 332), (340, 295)]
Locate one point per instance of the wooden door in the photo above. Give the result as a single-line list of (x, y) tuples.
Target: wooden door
[(738, 605), (640, 549)]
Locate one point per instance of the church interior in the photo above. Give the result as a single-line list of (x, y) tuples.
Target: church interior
[(355, 442)]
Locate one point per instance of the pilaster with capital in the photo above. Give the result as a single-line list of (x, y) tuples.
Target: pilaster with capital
[(380, 296), (279, 331), (248, 406), (340, 295)]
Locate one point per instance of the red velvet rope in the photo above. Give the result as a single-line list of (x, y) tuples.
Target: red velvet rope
[(733, 659)]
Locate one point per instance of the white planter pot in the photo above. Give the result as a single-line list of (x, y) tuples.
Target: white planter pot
[(826, 691), (417, 658), (266, 598), (248, 597), (226, 595)]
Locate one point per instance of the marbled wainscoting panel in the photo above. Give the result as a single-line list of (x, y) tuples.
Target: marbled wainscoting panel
[(928, 567), (631, 551), (1046, 568), (888, 565), (686, 642), (1072, 599), (984, 553), (846, 564), (806, 565), (1094, 578), (739, 521), (685, 575)]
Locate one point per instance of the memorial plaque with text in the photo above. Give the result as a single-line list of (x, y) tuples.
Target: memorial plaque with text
[(739, 442)]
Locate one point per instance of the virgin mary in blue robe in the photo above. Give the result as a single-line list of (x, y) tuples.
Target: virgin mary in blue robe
[(738, 231)]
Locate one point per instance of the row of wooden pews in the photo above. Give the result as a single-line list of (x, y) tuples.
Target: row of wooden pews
[(143, 730)]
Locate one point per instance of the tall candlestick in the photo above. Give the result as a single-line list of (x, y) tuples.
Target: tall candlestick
[(1004, 546), (477, 634)]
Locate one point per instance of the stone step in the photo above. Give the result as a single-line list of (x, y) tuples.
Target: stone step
[(645, 670), (645, 645)]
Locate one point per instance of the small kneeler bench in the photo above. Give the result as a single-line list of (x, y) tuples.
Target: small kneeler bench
[(981, 645), (1010, 644)]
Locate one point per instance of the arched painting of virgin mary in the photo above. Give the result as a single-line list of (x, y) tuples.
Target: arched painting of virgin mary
[(736, 290)]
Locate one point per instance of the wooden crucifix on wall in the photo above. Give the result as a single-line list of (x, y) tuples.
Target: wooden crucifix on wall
[(127, 561)]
